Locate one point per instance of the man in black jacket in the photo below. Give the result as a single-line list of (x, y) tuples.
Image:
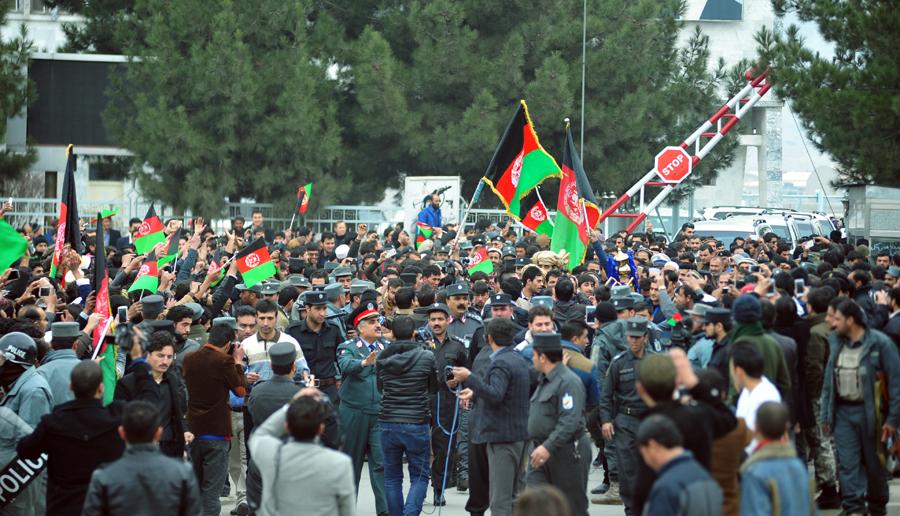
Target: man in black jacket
[(143, 481), (151, 378), (406, 377), (78, 436), (701, 416), (500, 419)]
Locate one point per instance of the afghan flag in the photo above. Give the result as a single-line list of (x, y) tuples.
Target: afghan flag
[(423, 233), (584, 186), (100, 285), (481, 262), (12, 245), (520, 163), (148, 276), (172, 248), (217, 271), (255, 263), (303, 195), (533, 214), (150, 233), (68, 230), (570, 231)]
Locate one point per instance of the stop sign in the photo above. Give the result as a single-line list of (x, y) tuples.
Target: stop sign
[(673, 164)]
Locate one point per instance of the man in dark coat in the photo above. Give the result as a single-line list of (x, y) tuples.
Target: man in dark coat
[(78, 436), (152, 378)]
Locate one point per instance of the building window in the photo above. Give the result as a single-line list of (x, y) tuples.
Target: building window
[(50, 184), (39, 7), (109, 168), (16, 6)]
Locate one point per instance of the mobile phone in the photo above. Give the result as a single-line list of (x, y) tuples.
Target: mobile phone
[(755, 268), (771, 290), (590, 314), (14, 274), (122, 314), (391, 253), (799, 286), (809, 244), (43, 291), (726, 290)]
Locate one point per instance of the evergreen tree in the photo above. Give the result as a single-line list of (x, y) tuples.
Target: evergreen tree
[(107, 25), (848, 103), (223, 99), (16, 91)]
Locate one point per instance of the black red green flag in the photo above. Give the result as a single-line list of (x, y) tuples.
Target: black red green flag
[(150, 233), (570, 230), (581, 179), (520, 163), (68, 230), (303, 195), (148, 275), (255, 263), (534, 215), (423, 233), (100, 285), (172, 247)]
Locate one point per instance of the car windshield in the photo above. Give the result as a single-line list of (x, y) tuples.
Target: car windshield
[(782, 231), (726, 236), (805, 227)]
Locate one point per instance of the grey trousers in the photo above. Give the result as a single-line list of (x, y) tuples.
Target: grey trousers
[(210, 460), (506, 471)]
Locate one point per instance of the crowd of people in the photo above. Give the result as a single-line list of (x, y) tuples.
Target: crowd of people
[(703, 377)]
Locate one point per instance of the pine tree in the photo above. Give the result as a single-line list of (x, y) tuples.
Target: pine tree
[(223, 99), (16, 91), (848, 103)]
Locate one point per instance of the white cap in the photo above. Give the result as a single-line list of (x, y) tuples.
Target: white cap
[(342, 251)]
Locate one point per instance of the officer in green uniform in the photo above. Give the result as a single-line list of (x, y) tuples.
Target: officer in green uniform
[(562, 449), (361, 400), (621, 407)]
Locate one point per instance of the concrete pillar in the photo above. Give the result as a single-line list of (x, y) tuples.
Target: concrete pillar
[(772, 158)]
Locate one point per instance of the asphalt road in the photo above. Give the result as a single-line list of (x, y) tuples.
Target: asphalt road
[(456, 501)]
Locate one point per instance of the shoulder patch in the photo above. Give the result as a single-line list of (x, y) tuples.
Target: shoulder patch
[(475, 316), (567, 402)]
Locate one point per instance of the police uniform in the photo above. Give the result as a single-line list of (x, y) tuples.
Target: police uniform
[(333, 314), (556, 422), (470, 329), (361, 405), (319, 348), (450, 352), (621, 405)]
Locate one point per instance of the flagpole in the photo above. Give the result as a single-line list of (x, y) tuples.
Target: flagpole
[(475, 196), (537, 190), (583, 66), (109, 321)]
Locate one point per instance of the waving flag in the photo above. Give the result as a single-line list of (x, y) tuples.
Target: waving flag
[(100, 284), (520, 163), (68, 230), (570, 232), (150, 233), (255, 263), (303, 195), (481, 262)]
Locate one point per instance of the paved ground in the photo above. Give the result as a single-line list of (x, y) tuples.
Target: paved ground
[(456, 501)]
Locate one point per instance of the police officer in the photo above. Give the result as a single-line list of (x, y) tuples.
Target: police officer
[(562, 449), (448, 351), (319, 342), (334, 312), (621, 407), (466, 324), (269, 290), (360, 398)]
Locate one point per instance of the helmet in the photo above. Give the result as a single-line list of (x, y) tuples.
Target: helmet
[(18, 348)]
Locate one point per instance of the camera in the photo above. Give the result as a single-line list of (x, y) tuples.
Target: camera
[(423, 335), (448, 373), (43, 291)]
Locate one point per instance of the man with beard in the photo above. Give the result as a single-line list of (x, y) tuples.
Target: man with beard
[(182, 318), (167, 391)]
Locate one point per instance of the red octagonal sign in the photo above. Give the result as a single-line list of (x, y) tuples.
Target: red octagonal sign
[(673, 164)]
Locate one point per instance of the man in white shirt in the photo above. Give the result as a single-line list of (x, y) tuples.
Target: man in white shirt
[(256, 347), (755, 389)]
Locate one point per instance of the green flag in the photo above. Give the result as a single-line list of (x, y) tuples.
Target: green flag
[(255, 263), (148, 276), (570, 231), (481, 262), (12, 245), (172, 248)]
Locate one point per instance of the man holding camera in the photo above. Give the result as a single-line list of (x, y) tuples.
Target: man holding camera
[(166, 391), (210, 373)]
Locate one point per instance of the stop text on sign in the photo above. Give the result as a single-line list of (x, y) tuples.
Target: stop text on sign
[(673, 164)]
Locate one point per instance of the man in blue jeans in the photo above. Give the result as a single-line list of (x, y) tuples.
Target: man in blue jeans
[(406, 377)]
